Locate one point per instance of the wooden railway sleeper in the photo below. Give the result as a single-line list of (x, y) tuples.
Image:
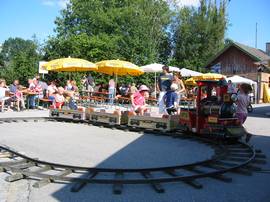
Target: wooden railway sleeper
[(14, 177), (156, 186), (117, 188), (46, 181), (194, 183), (219, 177), (13, 163), (79, 185)]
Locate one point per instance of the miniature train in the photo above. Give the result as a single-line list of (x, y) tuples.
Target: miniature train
[(212, 113)]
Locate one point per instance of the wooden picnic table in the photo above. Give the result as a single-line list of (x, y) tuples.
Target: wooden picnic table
[(28, 94)]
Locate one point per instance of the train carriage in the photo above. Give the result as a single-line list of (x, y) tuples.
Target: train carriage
[(78, 114), (164, 123)]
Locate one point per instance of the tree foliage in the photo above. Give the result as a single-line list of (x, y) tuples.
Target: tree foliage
[(140, 31), (19, 58), (135, 31), (199, 33)]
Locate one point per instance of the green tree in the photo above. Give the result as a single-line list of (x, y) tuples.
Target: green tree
[(20, 59), (199, 33), (132, 30)]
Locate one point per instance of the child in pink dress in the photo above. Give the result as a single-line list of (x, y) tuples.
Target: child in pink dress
[(138, 100)]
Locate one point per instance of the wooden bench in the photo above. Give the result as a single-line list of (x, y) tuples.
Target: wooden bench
[(123, 100)]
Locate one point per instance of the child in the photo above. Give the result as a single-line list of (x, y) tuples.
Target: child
[(242, 104), (59, 98), (138, 100), (171, 99)]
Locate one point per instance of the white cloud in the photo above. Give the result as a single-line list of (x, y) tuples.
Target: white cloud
[(60, 3), (48, 3), (182, 3)]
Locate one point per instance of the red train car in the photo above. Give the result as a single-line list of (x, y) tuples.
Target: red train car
[(213, 112)]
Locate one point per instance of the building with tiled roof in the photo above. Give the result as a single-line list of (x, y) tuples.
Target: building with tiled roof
[(239, 59)]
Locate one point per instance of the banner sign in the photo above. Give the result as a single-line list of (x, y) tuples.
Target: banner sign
[(42, 70)]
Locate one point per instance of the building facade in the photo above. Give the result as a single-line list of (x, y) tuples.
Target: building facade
[(242, 60)]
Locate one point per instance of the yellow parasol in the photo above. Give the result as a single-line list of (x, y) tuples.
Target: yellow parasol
[(209, 76), (70, 65), (190, 82), (118, 68)]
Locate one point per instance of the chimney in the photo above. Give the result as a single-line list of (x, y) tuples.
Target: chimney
[(267, 48)]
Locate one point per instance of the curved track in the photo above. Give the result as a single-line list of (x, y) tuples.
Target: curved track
[(238, 158)]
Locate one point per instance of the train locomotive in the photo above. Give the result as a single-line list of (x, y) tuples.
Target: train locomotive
[(212, 114)]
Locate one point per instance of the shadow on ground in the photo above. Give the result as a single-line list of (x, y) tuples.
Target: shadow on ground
[(260, 111), (243, 188)]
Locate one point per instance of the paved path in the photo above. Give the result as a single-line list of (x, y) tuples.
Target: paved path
[(115, 146)]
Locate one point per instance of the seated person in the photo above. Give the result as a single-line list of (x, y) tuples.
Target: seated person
[(18, 95), (51, 90), (3, 98), (59, 98), (171, 99), (138, 100), (36, 89)]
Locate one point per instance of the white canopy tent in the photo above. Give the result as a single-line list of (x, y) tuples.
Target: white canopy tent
[(238, 80), (153, 68), (174, 69), (156, 68), (189, 73)]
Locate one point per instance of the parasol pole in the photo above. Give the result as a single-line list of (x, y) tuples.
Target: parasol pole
[(155, 85), (116, 80)]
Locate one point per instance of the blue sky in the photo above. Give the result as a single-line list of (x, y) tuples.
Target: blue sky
[(24, 18)]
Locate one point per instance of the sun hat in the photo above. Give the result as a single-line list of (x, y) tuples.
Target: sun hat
[(143, 88), (174, 86)]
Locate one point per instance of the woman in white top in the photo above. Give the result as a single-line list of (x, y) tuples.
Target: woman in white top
[(181, 90), (3, 97)]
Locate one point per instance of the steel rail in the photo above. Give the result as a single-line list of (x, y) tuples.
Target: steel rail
[(223, 154)]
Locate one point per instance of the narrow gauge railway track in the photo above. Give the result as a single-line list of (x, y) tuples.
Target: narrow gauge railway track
[(238, 158)]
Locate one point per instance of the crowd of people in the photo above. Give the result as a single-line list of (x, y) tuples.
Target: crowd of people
[(170, 88), (15, 95)]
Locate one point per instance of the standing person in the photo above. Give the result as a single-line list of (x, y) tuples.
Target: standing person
[(164, 83), (242, 104), (31, 98), (177, 79), (90, 83), (231, 88), (111, 90)]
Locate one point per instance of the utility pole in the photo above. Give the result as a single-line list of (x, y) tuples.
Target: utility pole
[(256, 36)]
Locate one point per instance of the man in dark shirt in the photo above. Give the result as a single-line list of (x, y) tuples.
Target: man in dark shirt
[(164, 83)]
